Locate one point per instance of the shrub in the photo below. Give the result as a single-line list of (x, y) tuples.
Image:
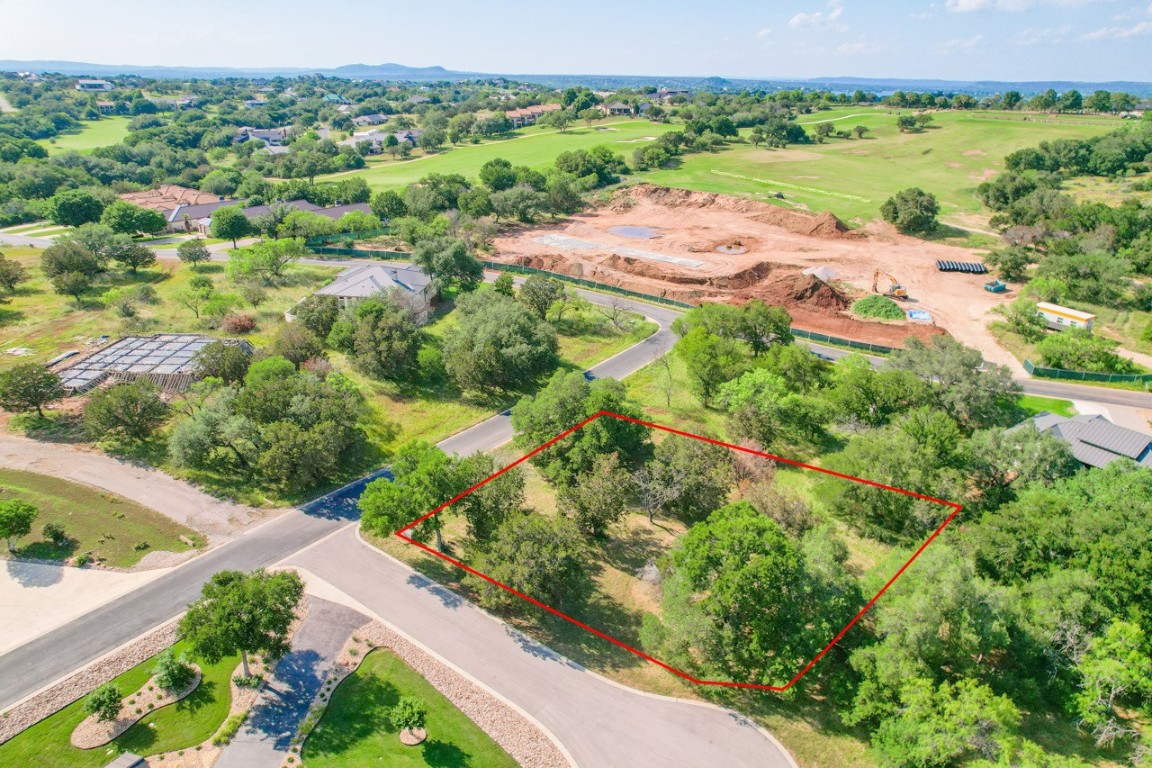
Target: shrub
[(408, 714), (238, 324), (250, 681), (878, 306), (55, 533), (172, 673), (229, 729), (104, 702)]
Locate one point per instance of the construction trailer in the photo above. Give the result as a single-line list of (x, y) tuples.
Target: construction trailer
[(1059, 318)]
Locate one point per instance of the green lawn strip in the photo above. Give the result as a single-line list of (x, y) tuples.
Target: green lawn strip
[(1035, 404), (179, 726), (97, 133), (355, 730), (107, 525), (26, 228)]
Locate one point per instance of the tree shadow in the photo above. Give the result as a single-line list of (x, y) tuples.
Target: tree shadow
[(34, 575), (447, 597), (631, 550), (139, 739), (10, 316), (203, 696), (441, 754), (358, 710), (49, 550)]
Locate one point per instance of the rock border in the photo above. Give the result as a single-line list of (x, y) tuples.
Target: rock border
[(528, 745), (50, 700), (93, 732)]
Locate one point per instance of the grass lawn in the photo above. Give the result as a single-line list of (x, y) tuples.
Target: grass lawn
[(355, 730), (178, 726), (97, 133), (1035, 404), (853, 177), (535, 146), (107, 526)]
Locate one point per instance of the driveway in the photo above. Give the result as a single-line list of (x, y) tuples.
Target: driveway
[(267, 733), (602, 724)]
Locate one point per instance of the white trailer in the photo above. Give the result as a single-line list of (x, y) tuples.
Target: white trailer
[(1059, 318)]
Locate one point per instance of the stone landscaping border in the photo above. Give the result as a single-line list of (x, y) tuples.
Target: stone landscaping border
[(51, 700), (517, 735), (93, 732)]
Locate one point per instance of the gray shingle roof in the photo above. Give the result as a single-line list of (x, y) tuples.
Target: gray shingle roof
[(1095, 440), (370, 280)]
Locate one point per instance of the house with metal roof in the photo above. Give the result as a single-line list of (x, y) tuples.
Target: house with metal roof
[(1095, 441), (407, 282)]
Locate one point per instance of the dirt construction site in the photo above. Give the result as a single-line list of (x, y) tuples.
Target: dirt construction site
[(696, 247)]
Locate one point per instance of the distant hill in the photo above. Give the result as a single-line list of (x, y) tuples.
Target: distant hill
[(401, 72)]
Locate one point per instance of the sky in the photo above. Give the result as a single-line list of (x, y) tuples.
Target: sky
[(1087, 40)]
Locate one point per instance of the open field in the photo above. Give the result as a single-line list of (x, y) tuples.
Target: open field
[(110, 529), (99, 133), (355, 730), (178, 726), (533, 146), (853, 177)]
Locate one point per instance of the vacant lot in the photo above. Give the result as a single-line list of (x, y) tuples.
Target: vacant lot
[(356, 730), (853, 177), (99, 133), (110, 529)]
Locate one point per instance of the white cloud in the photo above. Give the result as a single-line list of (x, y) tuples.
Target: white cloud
[(1011, 6), (1043, 35), (858, 49), (764, 33), (961, 44), (819, 18), (1120, 33)]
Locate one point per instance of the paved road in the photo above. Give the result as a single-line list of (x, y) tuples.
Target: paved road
[(600, 723), (267, 733), (41, 662)]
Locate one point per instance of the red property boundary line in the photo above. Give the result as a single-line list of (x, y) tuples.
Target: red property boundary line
[(402, 533)]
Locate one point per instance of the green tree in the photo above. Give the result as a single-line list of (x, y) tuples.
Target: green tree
[(227, 362), (598, 498), (695, 477), (521, 202), (505, 286), (487, 507), (243, 612), (70, 258), (73, 207), (104, 702), (1101, 278), (193, 252), (128, 411), (173, 674), (74, 284), (448, 263), (12, 273), (424, 477), (230, 223), (1116, 671), (969, 390), (543, 558), (296, 344), (135, 257), (590, 115), (196, 294), (388, 204), (1002, 462), (497, 343), (763, 409), (1011, 263), (123, 217), (860, 130), (567, 400), (1076, 349), (16, 520), (1023, 318), (711, 360), (912, 211), (29, 387), (497, 174), (318, 313), (539, 293), (386, 340), (266, 261)]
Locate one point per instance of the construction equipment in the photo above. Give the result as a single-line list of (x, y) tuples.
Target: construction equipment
[(895, 290), (996, 286)]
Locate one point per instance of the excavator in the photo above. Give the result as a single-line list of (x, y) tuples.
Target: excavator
[(895, 290)]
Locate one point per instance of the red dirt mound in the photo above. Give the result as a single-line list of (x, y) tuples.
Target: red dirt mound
[(824, 225)]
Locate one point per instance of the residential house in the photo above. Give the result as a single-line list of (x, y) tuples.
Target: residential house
[(86, 84), (643, 107), (418, 99), (272, 137), (411, 136), (529, 115), (186, 210), (667, 94), (1094, 440), (373, 119), (255, 103), (616, 109), (107, 107), (335, 98), (409, 283)]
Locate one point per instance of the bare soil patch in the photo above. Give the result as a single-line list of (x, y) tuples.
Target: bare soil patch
[(779, 244)]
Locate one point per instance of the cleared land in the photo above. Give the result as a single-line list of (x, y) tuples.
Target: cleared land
[(99, 133), (356, 730), (767, 248), (180, 726), (108, 528)]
